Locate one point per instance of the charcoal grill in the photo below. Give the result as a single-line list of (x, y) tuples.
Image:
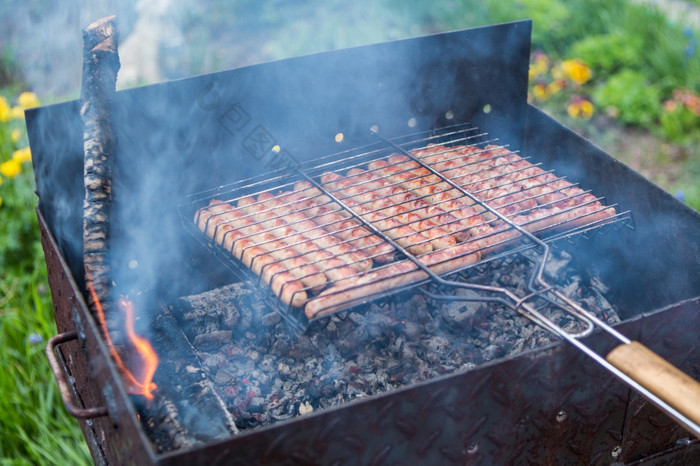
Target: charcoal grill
[(210, 126), (580, 214)]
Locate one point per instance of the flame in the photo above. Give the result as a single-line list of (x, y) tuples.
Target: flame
[(142, 383)]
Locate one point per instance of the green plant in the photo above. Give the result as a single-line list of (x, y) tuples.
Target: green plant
[(666, 58), (35, 427), (628, 96), (680, 125), (609, 53), (551, 20)]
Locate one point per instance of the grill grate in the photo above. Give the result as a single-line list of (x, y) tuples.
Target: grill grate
[(373, 221)]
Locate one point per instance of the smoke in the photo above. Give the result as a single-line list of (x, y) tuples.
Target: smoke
[(170, 39), (163, 40), (186, 136)]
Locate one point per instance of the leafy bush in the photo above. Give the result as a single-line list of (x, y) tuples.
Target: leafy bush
[(680, 125), (628, 96), (550, 18), (609, 53)]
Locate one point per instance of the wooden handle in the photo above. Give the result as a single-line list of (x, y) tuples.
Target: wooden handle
[(659, 377)]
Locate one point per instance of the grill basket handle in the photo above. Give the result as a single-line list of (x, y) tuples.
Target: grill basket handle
[(659, 377), (63, 385)]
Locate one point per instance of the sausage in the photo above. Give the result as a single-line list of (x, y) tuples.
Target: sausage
[(487, 179), (333, 267), (528, 195), (325, 240), (453, 208), (285, 285), (397, 202), (321, 210), (389, 278), (286, 255), (354, 196)]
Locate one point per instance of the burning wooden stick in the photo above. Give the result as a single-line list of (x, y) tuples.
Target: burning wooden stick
[(100, 67)]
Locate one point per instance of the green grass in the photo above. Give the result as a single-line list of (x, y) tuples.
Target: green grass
[(34, 426)]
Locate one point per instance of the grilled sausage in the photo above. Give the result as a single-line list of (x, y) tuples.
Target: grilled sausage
[(354, 196), (388, 278), (528, 195), (320, 209), (285, 285), (333, 267), (287, 255), (325, 240), (458, 213), (396, 201)]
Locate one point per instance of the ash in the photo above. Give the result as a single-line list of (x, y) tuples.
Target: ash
[(265, 372)]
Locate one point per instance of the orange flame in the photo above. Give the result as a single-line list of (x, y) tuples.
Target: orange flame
[(144, 384)]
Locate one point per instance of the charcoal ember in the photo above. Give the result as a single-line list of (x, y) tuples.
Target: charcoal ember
[(490, 352), (211, 340), (572, 288), (408, 352), (267, 372), (244, 322), (556, 267), (271, 319), (211, 361), (358, 319), (458, 317), (517, 346), (570, 326), (225, 376), (411, 329), (438, 343), (302, 348), (284, 369)]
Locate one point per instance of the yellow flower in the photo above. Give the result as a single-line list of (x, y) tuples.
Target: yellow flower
[(555, 86), (28, 100), (539, 65), (17, 113), (576, 70), (580, 108), (11, 168), (5, 110), (539, 91), (15, 135), (22, 155)]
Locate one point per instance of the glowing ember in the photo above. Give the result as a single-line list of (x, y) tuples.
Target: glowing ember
[(140, 383)]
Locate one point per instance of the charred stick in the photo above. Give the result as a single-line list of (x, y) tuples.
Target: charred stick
[(100, 67), (188, 410)]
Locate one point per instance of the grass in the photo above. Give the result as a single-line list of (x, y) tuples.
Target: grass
[(34, 426)]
